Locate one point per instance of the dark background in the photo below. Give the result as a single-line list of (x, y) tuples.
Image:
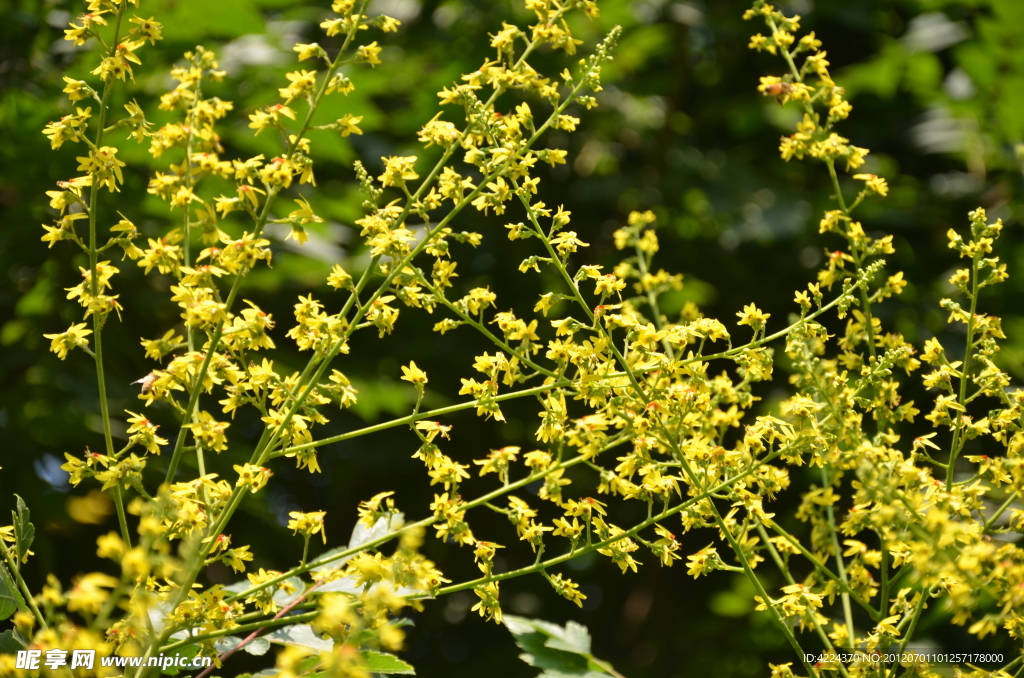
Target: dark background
[(937, 88)]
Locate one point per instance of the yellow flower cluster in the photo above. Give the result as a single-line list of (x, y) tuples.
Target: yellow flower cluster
[(631, 406)]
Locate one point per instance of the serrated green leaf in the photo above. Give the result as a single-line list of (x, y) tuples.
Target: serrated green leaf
[(573, 638), (258, 647), (24, 531), (10, 598), (537, 653), (301, 635), (562, 652), (10, 642), (382, 662)]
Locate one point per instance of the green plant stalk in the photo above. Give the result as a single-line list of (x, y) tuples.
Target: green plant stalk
[(826, 641), (753, 578), (652, 300), (197, 387), (242, 628), (821, 567), (469, 320), (108, 606), (190, 119), (412, 418), (830, 163), (1000, 511), (883, 598), (584, 549), (189, 184), (869, 327), (97, 319), (1012, 664), (262, 451), (840, 565), (913, 625), (12, 567), (261, 222), (958, 442), (426, 522)]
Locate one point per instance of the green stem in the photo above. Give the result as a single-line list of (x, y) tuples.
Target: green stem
[(469, 320), (121, 518), (913, 623), (756, 581), (426, 522), (774, 552), (15, 572), (242, 628), (98, 319), (1000, 511), (197, 386), (883, 599), (582, 550), (652, 300), (412, 418), (821, 567), (965, 369), (840, 566)]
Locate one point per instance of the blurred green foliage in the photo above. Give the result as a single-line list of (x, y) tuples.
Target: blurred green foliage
[(938, 90)]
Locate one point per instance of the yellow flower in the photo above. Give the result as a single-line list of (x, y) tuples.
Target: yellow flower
[(753, 316), (88, 593), (72, 338), (310, 51), (887, 625), (349, 124), (874, 183), (308, 523), (414, 375), (368, 53), (252, 476), (104, 167), (925, 441)]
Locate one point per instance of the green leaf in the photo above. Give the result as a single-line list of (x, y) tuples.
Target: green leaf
[(10, 598), (382, 662), (225, 643), (563, 652), (24, 531), (10, 642), (301, 635), (258, 647)]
